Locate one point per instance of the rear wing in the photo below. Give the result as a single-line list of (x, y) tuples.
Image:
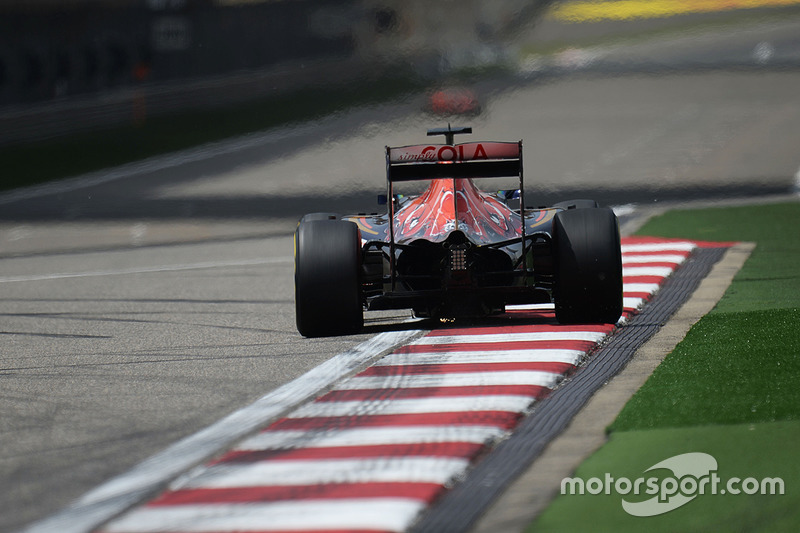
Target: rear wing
[(467, 160), (452, 161)]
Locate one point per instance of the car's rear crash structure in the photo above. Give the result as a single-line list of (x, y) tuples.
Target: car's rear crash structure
[(455, 251)]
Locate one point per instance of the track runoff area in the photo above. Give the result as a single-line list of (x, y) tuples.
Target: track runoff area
[(423, 438)]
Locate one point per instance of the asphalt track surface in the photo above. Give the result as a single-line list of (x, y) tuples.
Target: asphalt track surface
[(381, 444), (144, 304)]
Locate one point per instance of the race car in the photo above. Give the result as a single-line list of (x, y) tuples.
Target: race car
[(454, 101), (454, 251)]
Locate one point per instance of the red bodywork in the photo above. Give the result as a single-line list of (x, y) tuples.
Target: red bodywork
[(450, 204), (454, 100)]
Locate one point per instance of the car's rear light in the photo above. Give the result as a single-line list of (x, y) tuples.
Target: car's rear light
[(458, 259)]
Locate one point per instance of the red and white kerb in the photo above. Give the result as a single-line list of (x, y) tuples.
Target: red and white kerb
[(374, 452)]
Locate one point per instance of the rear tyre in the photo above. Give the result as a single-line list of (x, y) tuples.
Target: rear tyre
[(326, 278), (311, 217), (588, 264)]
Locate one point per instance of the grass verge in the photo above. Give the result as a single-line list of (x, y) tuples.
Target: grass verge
[(730, 389), (741, 450)]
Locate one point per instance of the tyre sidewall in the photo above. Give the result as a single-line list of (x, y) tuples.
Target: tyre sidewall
[(327, 278), (588, 261)]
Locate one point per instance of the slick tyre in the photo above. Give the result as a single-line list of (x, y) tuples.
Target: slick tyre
[(588, 266), (312, 217), (326, 279)]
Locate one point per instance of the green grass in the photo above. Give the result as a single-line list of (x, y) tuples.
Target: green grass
[(731, 368), (771, 278), (731, 389), (76, 154), (741, 450)]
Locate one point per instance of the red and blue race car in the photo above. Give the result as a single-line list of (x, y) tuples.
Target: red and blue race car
[(456, 251)]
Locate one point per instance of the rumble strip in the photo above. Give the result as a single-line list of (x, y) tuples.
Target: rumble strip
[(377, 449)]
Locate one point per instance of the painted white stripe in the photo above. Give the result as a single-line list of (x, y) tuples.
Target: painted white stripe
[(632, 303), (623, 210), (683, 246), (500, 356), (796, 185), (384, 514), (312, 471), (661, 258), (257, 261), (649, 288), (147, 270), (661, 272), (288, 439), (465, 379), (409, 406), (120, 493), (156, 163), (556, 335), (531, 307)]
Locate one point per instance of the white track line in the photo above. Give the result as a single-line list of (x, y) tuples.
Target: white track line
[(495, 356), (374, 514), (658, 247), (250, 262), (465, 379), (147, 270), (796, 185), (632, 302), (531, 307), (661, 258), (154, 164), (661, 272), (120, 493), (369, 436), (650, 288), (314, 471), (415, 406), (592, 336)]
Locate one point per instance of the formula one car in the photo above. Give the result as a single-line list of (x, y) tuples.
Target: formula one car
[(455, 251), (454, 101)]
